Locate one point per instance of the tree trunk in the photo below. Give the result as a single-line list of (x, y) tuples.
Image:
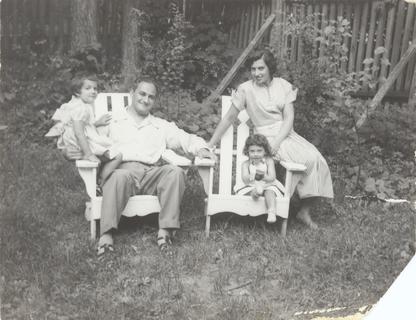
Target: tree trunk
[(129, 42), (84, 24)]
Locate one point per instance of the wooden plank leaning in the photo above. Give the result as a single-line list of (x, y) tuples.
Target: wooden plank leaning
[(386, 85), (229, 76)]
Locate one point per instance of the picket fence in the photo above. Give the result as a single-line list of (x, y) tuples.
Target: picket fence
[(45, 25)]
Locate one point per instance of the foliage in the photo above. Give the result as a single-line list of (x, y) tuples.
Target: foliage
[(327, 111), (188, 60)]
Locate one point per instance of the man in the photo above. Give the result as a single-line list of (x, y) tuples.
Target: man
[(142, 138)]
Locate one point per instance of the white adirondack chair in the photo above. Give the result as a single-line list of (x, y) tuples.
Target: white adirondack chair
[(225, 200), (139, 205)]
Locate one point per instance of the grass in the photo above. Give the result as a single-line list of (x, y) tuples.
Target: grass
[(244, 271)]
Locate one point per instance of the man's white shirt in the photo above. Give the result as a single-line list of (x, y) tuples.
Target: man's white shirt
[(147, 141)]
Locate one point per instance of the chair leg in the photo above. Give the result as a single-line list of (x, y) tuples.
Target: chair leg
[(93, 229), (283, 228), (207, 226)]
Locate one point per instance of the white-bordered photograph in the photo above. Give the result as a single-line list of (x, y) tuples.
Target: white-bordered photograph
[(208, 159)]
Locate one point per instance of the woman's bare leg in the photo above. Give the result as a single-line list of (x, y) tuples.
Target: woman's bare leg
[(304, 215)]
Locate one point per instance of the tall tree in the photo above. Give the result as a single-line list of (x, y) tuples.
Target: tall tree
[(129, 46), (84, 24)]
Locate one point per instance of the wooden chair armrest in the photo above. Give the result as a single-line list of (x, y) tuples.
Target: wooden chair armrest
[(86, 164), (292, 166)]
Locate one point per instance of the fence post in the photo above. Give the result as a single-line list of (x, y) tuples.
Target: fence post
[(277, 32), (412, 91)]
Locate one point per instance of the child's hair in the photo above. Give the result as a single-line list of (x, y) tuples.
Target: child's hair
[(78, 81), (258, 140)]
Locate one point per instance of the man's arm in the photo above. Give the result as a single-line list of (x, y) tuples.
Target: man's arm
[(179, 139)]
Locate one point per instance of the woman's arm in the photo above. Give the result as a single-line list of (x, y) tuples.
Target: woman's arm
[(82, 140), (224, 124), (270, 175), (287, 126), (245, 173)]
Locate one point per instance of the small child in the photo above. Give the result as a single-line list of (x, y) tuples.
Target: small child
[(76, 128), (258, 174)]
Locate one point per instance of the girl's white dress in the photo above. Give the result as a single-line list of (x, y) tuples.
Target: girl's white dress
[(264, 105), (77, 110), (257, 172)]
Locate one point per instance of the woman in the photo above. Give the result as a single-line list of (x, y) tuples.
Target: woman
[(269, 104)]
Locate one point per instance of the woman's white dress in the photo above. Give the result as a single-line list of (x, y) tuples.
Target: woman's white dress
[(264, 105)]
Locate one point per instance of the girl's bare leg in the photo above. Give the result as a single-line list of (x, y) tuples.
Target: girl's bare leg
[(304, 213), (271, 205), (109, 167)]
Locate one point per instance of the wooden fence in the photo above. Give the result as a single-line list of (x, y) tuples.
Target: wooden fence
[(45, 25)]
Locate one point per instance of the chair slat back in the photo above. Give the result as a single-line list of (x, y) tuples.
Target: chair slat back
[(227, 149), (111, 103), (226, 152)]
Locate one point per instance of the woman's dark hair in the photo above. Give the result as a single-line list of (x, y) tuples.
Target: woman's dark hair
[(257, 140), (268, 59), (78, 81)]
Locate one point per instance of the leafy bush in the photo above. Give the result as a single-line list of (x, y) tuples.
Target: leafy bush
[(326, 113)]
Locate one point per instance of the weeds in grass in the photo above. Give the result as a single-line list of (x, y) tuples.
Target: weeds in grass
[(49, 269)]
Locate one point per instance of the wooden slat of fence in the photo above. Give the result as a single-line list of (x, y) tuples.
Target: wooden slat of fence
[(258, 16), (405, 40), (302, 15), (317, 19), (6, 33), (332, 11), (293, 38), (347, 40), (362, 36), (412, 64), (13, 23), (381, 24), (253, 21), (340, 10), (247, 26), (354, 38), (54, 25), (41, 18), (388, 40), (309, 12), (241, 30), (371, 31), (398, 32), (233, 31), (324, 23)]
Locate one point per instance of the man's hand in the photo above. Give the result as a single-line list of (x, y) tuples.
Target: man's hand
[(104, 120), (205, 153), (72, 153)]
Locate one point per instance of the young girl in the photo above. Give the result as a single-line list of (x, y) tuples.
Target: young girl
[(76, 127), (258, 174)]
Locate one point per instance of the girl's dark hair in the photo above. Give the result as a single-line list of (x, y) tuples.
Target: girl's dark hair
[(268, 59), (78, 81), (258, 140)]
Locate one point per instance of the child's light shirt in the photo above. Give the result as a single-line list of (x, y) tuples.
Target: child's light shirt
[(257, 172), (77, 110)]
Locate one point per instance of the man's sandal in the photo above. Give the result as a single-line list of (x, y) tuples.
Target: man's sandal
[(164, 242), (104, 248)]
